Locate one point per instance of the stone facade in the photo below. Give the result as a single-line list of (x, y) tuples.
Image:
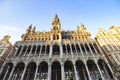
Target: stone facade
[(56, 55), (5, 47), (109, 41)]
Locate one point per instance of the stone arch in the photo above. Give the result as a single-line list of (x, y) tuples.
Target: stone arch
[(6, 71), (18, 71), (56, 49), (42, 72), (56, 71), (93, 70), (107, 74), (69, 70), (30, 71), (82, 72)]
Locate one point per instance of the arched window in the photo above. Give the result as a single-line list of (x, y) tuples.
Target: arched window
[(56, 50), (68, 49), (64, 48), (43, 49), (73, 48), (82, 47), (96, 47), (87, 48), (92, 48)]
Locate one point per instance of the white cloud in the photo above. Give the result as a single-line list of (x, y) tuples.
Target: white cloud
[(8, 28)]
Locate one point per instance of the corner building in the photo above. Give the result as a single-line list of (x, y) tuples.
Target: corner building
[(109, 42), (5, 47), (56, 55)]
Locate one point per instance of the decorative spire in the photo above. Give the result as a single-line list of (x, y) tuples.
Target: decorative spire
[(6, 38), (56, 20)]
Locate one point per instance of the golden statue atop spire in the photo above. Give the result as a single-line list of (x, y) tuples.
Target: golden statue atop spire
[(56, 20), (6, 38)]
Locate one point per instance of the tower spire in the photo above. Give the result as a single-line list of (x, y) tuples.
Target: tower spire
[(56, 21)]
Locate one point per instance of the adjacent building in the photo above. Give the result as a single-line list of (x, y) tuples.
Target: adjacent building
[(109, 41), (56, 55), (5, 47)]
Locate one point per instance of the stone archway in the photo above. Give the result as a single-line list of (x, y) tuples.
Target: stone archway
[(30, 72), (107, 74), (6, 71), (82, 73), (69, 70), (93, 70), (42, 72), (17, 74), (56, 71)]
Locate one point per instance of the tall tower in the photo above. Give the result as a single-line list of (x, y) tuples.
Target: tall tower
[(56, 29)]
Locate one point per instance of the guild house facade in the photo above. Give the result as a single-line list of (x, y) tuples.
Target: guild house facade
[(56, 55), (109, 41), (5, 47)]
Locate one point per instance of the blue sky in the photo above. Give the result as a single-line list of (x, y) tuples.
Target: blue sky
[(17, 15)]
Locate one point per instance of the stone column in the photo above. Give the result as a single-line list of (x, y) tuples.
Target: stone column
[(81, 50), (26, 50), (61, 51), (110, 69), (21, 51), (30, 50), (76, 74), (11, 73), (50, 55), (49, 71), (105, 70), (100, 71), (3, 65), (36, 72), (6, 72), (88, 72), (62, 71), (40, 50), (35, 50), (22, 77), (94, 48), (16, 52), (90, 49)]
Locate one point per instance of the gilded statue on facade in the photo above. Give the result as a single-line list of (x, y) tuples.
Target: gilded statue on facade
[(56, 20), (6, 38)]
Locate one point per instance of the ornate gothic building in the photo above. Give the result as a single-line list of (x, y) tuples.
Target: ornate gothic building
[(5, 47), (109, 41), (56, 55)]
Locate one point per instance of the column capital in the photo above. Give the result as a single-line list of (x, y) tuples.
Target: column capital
[(62, 64), (49, 64)]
